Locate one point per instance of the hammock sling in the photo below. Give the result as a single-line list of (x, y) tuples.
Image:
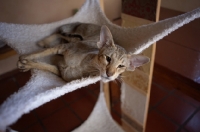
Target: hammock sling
[(44, 87)]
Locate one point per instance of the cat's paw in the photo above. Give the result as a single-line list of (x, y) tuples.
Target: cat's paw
[(43, 44), (23, 57), (23, 65)]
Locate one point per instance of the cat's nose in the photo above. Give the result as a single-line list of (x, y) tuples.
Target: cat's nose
[(109, 74)]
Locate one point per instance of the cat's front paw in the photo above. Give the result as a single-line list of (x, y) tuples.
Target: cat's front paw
[(26, 57), (23, 65), (23, 57)]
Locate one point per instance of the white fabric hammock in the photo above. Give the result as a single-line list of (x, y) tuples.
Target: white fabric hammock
[(44, 86)]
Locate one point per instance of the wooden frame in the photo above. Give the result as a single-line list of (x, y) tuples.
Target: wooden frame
[(129, 123)]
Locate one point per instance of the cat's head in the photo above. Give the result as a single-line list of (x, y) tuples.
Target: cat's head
[(113, 59)]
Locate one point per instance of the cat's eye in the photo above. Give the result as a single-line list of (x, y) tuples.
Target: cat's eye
[(108, 58), (120, 66)]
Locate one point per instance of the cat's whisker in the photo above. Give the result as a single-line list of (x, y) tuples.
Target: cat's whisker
[(125, 76), (118, 79), (114, 81), (118, 82)]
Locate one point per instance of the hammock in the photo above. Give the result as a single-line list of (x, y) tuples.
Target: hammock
[(44, 86)]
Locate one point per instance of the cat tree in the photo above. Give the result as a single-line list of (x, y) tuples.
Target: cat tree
[(44, 87)]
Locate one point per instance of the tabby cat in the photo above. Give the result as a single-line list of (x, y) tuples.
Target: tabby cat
[(87, 50)]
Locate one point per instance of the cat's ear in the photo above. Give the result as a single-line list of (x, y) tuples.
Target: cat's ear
[(136, 61), (105, 37)]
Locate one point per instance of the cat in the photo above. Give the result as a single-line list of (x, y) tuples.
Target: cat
[(87, 49)]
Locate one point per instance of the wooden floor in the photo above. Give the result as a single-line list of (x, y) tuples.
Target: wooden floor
[(174, 103)]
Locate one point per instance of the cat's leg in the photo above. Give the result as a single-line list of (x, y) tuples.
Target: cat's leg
[(50, 41), (69, 73), (56, 39), (50, 51), (72, 37), (69, 28), (27, 65), (63, 71)]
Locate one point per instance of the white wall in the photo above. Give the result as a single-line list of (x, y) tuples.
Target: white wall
[(112, 8)]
